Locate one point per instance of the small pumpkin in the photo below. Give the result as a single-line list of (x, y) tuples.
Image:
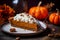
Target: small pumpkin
[(55, 18), (39, 12)]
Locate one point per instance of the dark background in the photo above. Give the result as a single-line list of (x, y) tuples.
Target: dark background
[(30, 3), (19, 7), (35, 2)]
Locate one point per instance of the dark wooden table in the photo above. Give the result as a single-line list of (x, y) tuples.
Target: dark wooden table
[(41, 36)]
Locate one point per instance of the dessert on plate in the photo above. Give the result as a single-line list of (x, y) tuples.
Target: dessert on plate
[(25, 21)]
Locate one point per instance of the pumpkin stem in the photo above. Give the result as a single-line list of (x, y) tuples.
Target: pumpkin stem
[(58, 11), (39, 3)]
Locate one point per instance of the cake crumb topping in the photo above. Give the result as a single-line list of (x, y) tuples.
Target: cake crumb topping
[(25, 18)]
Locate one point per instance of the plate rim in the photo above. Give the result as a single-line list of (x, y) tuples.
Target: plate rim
[(23, 34)]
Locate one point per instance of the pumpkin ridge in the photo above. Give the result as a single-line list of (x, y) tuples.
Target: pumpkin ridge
[(41, 12), (38, 14), (34, 12), (51, 18), (56, 19)]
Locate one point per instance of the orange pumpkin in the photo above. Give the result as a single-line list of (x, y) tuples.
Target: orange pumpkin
[(55, 18), (39, 12)]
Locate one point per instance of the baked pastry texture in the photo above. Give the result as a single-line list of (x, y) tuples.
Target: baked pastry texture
[(24, 20)]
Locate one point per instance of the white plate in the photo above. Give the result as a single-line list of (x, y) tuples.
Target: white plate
[(23, 32)]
